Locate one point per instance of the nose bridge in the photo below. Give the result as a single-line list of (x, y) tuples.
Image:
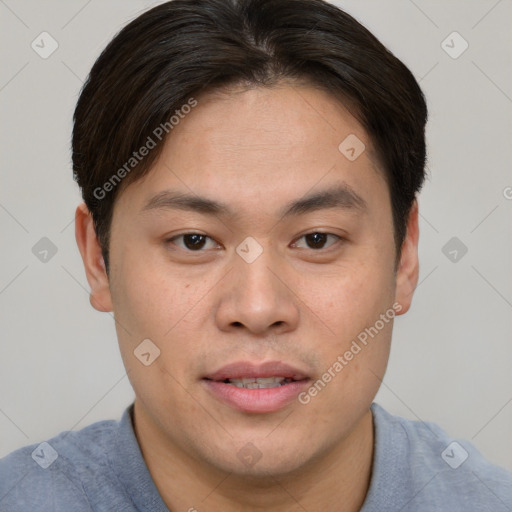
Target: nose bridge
[(255, 297), (259, 283)]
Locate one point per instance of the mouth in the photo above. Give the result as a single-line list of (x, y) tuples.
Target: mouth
[(259, 382), (261, 388)]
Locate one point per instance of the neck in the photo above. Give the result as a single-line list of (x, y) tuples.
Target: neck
[(335, 480)]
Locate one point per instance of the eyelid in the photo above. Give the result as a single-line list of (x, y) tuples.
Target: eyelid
[(339, 239), (181, 235)]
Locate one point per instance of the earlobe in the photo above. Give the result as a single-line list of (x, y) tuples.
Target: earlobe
[(92, 257), (408, 270)]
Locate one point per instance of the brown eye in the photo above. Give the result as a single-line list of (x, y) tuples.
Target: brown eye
[(194, 242), (318, 240)]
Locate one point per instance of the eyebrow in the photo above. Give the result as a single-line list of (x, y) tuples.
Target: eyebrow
[(340, 196)]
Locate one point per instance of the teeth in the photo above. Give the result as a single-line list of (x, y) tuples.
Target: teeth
[(259, 383)]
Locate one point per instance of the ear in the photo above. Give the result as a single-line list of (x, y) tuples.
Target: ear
[(408, 269), (92, 257)]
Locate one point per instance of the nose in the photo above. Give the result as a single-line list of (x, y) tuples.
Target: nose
[(256, 297)]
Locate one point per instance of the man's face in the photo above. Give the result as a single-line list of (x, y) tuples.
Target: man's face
[(286, 295)]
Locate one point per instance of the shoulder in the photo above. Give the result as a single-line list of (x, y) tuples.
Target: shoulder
[(51, 475), (442, 473)]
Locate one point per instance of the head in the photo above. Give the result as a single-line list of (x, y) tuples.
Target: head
[(249, 171)]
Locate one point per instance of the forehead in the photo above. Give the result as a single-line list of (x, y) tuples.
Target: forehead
[(262, 145)]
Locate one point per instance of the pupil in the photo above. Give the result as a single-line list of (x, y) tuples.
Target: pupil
[(194, 241), (316, 240)]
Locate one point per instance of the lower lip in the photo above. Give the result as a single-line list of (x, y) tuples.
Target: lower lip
[(256, 400)]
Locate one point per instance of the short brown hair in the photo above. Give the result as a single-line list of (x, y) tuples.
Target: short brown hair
[(184, 48)]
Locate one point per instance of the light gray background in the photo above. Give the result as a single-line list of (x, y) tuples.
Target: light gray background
[(451, 361)]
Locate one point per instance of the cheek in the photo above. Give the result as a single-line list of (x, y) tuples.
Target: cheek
[(351, 306), (150, 299), (350, 298), (151, 303)]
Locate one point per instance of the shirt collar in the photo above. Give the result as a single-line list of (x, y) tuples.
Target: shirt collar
[(130, 468), (391, 476), (388, 482)]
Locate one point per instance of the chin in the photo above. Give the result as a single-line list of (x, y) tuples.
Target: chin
[(259, 459)]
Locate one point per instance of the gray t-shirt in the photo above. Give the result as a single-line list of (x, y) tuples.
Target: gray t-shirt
[(417, 467)]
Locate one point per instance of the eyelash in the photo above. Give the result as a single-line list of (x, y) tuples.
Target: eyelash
[(338, 240)]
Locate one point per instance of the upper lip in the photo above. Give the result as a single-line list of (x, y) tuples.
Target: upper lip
[(248, 369)]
